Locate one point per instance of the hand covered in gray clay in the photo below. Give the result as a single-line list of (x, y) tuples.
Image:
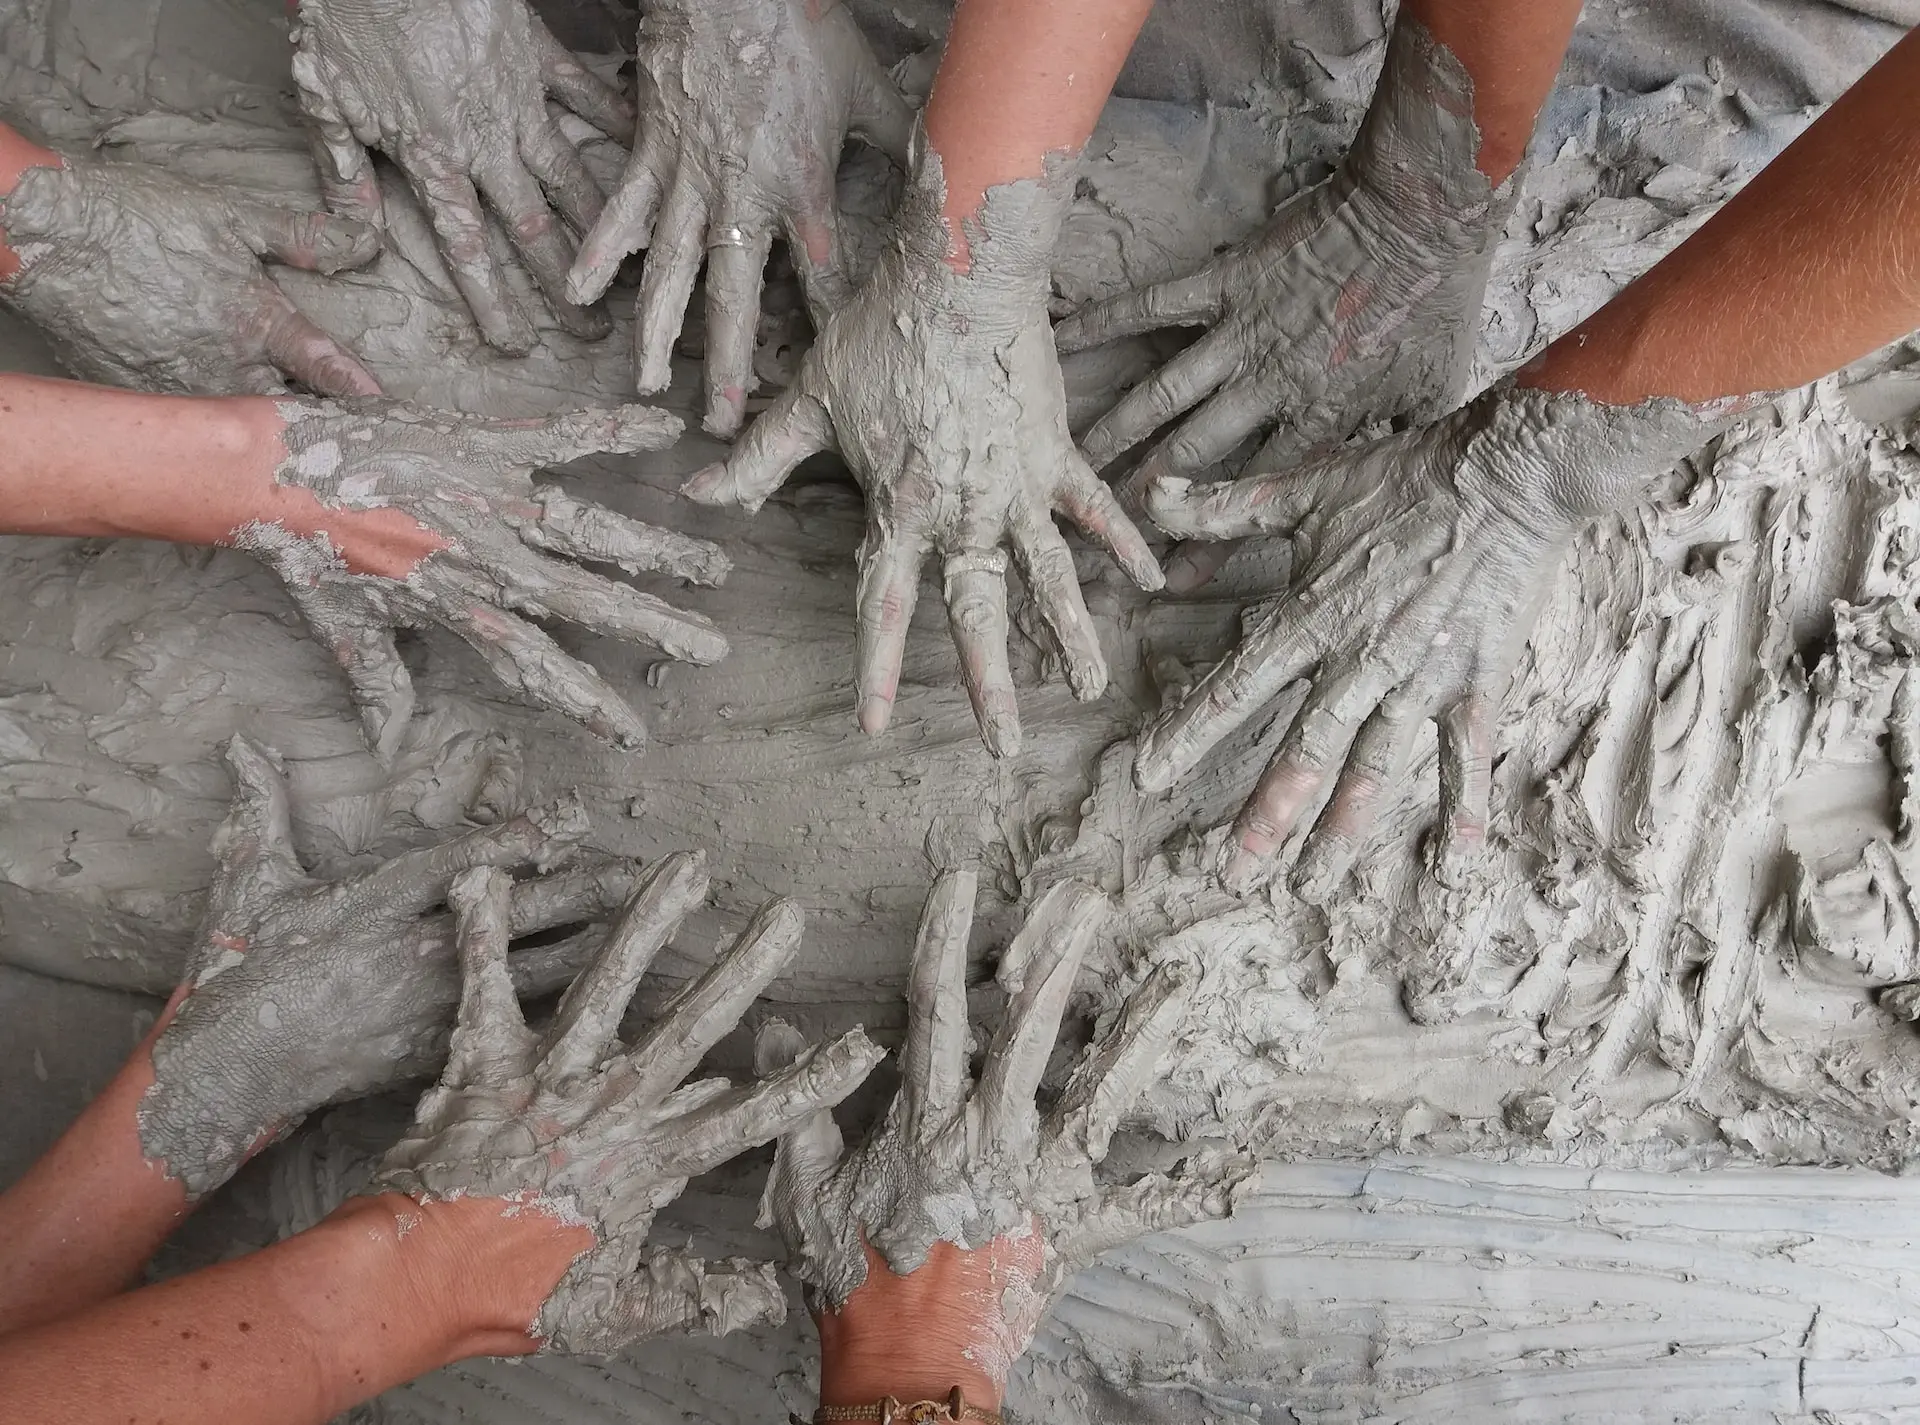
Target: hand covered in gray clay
[(1419, 563), (147, 279), (571, 1122), (303, 992), (1358, 303), (454, 92), (745, 106), (943, 394), (968, 1161), (507, 545)]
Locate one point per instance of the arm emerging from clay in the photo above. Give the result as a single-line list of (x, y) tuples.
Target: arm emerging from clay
[(932, 1251), (1419, 561), (149, 279), (938, 382), (377, 516), (511, 1217)]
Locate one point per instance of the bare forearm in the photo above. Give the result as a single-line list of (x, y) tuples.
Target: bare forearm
[(17, 155), (1813, 264), (1021, 79), (80, 1224), (371, 1297), (77, 459), (1513, 50)]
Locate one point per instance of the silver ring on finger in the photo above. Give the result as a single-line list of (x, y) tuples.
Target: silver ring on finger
[(727, 237)]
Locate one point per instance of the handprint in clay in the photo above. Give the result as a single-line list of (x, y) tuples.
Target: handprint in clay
[(975, 1162), (570, 1122), (147, 279), (489, 542), (1419, 563), (1358, 303), (745, 106), (303, 992), (454, 92), (942, 392)]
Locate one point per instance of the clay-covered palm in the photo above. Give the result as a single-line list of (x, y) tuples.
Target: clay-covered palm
[(1358, 303), (1419, 562), (454, 92), (508, 545), (303, 992), (572, 1123), (971, 1162), (942, 392), (147, 279), (745, 106)]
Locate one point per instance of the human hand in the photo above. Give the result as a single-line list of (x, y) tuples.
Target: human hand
[(942, 392), (1357, 303), (151, 280), (1419, 563), (302, 992), (454, 92), (477, 539), (745, 106), (975, 1166), (571, 1124)]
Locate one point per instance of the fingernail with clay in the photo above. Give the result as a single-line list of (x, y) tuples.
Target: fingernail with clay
[(709, 486), (1246, 865), (875, 713)]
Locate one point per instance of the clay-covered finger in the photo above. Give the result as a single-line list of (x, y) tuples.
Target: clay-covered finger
[(736, 265), (1210, 434), (625, 225), (976, 594), (881, 114), (306, 353), (554, 440), (673, 262), (1230, 509), (579, 88), (453, 208), (1047, 565), (1237, 687), (525, 657), (1178, 386), (490, 1044), (538, 584), (575, 894), (1183, 302), (1084, 498), (709, 1008), (1322, 731), (580, 529), (888, 590), (1038, 972), (590, 1012), (541, 241), (933, 1061), (1193, 563), (416, 881), (1373, 767), (809, 1151), (377, 678), (730, 1123), (564, 176), (787, 432), (315, 242), (546, 969), (254, 841), (1113, 1074), (1466, 781)]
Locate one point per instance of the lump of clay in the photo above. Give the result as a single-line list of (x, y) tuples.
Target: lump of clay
[(454, 92), (302, 992), (507, 546), (968, 1161), (745, 106), (570, 1122), (148, 279)]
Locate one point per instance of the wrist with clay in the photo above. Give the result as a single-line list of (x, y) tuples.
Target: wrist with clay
[(915, 1336), (18, 154)]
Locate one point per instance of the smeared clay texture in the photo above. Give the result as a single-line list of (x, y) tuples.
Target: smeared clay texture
[(147, 279), (509, 549), (745, 106), (573, 1123)]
